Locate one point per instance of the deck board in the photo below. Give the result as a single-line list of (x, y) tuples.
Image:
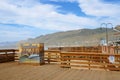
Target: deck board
[(14, 71)]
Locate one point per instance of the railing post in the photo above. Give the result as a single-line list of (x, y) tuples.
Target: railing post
[(89, 62), (6, 56), (49, 56), (13, 55), (69, 61)]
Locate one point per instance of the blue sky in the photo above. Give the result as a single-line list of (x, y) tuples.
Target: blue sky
[(22, 19)]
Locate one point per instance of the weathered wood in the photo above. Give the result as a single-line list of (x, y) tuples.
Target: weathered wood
[(52, 56), (8, 50), (96, 49), (31, 50), (7, 55), (13, 71), (89, 60), (111, 49)]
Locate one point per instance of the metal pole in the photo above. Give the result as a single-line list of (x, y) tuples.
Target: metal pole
[(106, 35), (107, 31), (106, 25)]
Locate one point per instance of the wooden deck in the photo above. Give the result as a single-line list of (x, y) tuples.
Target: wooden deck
[(15, 71)]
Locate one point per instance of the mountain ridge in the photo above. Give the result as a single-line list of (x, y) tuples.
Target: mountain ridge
[(81, 37)]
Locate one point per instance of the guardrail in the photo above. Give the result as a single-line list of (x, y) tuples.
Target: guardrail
[(111, 49), (52, 56), (90, 60), (96, 49), (7, 55)]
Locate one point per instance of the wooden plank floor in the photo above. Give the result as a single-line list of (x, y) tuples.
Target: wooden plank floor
[(13, 71)]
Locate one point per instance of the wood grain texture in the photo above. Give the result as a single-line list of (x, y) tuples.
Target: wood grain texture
[(14, 71)]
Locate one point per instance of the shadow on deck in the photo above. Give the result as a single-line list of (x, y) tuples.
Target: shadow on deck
[(15, 71)]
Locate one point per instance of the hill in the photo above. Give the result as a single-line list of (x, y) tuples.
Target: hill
[(82, 37)]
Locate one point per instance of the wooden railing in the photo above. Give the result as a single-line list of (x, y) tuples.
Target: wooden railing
[(90, 60), (52, 56), (111, 49), (81, 60), (96, 49), (7, 55)]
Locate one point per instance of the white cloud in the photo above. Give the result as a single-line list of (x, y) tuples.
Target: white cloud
[(98, 8), (104, 12), (64, 0), (45, 16), (40, 15)]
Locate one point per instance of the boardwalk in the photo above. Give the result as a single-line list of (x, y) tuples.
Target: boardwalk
[(13, 71)]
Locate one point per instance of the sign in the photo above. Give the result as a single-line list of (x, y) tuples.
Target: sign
[(111, 59)]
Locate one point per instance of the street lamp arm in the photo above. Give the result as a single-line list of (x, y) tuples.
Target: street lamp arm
[(106, 24), (103, 24)]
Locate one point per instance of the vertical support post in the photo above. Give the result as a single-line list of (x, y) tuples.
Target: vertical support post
[(89, 62), (41, 53), (13, 55), (49, 56), (6, 56), (61, 60), (69, 61)]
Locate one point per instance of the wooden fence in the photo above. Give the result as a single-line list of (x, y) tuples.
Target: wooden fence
[(52, 56), (7, 55), (96, 49), (90, 60), (111, 49), (85, 57), (83, 60)]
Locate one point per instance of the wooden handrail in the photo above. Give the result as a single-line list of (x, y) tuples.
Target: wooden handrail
[(7, 55), (52, 56), (96, 49), (8, 50), (88, 53), (90, 60)]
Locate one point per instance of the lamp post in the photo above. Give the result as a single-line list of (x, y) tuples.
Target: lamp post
[(106, 25)]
